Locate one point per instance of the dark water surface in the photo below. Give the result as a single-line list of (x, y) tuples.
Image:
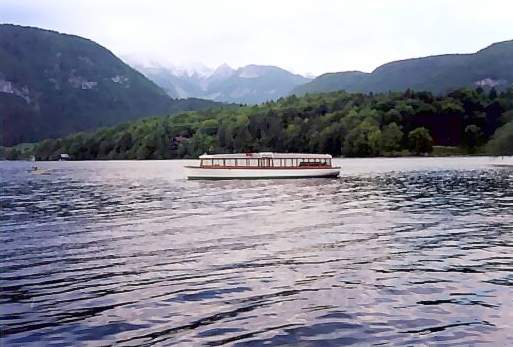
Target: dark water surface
[(395, 252)]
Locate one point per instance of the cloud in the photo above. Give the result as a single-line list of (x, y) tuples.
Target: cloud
[(300, 35)]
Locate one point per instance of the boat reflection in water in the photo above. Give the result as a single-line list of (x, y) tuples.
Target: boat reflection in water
[(262, 165)]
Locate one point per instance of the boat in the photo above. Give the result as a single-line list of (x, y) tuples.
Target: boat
[(262, 165), (38, 171)]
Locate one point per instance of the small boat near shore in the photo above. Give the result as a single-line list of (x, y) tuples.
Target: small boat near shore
[(262, 165), (36, 170)]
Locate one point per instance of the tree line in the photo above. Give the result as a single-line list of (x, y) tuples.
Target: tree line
[(338, 123)]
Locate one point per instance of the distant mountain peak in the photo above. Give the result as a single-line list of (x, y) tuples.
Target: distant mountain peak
[(248, 84), (192, 69), (222, 71), (224, 67)]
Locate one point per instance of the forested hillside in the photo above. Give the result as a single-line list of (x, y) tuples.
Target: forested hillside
[(489, 67), (337, 123), (53, 84)]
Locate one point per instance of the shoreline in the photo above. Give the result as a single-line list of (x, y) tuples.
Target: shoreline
[(338, 158)]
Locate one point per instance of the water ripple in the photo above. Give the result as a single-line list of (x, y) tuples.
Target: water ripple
[(130, 253)]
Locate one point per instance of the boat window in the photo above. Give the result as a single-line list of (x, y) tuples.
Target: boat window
[(252, 162), (312, 162), (265, 162)]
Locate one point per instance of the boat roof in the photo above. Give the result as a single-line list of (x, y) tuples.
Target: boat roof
[(266, 155)]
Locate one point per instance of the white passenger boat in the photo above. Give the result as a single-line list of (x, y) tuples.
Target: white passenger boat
[(262, 165)]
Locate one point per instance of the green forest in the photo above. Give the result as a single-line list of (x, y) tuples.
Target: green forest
[(465, 121)]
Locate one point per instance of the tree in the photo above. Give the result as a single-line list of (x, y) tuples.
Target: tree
[(143, 152), (493, 94), (124, 142), (46, 149), (328, 140), (208, 127), (392, 116), (76, 147), (420, 141), (149, 144), (391, 137), (472, 137), (105, 148), (364, 140), (12, 154), (201, 143), (502, 141)]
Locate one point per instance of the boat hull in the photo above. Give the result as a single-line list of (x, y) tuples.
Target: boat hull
[(199, 173)]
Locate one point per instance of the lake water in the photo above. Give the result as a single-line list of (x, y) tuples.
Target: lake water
[(395, 252)]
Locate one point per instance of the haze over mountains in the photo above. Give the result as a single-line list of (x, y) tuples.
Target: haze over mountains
[(489, 67), (54, 84), (251, 84)]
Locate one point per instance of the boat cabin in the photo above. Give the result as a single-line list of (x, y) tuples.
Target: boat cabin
[(265, 160)]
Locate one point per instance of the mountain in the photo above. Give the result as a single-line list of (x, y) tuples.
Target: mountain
[(489, 67), (251, 84), (54, 84), (175, 85), (222, 72)]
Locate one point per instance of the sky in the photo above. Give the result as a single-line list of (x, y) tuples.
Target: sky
[(303, 36)]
